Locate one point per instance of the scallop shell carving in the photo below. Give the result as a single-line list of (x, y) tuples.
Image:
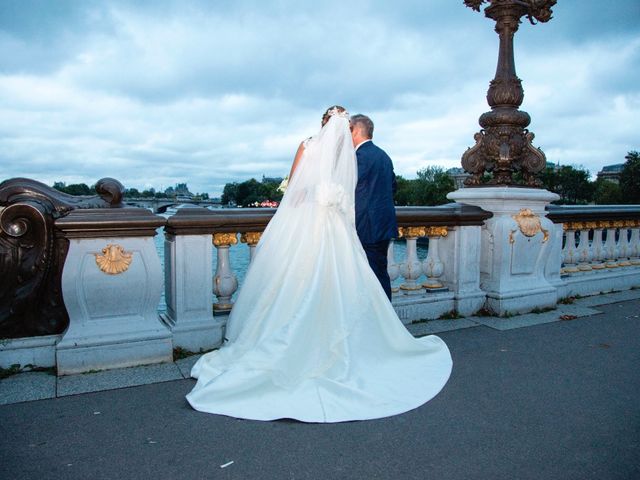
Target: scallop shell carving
[(114, 259), (529, 223)]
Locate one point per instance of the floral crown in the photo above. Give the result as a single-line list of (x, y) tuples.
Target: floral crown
[(335, 112)]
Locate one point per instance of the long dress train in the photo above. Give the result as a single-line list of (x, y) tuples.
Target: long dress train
[(312, 335)]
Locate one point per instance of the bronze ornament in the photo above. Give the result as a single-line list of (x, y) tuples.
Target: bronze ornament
[(33, 251), (504, 145)]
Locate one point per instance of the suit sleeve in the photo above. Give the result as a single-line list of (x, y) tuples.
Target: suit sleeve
[(394, 182)]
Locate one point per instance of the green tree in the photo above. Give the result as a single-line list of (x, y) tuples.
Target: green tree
[(571, 183), (74, 188), (132, 193), (251, 191), (404, 192), (607, 192), (431, 186), (630, 178), (230, 194)]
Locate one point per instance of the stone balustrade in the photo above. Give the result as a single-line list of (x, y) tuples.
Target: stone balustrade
[(92, 304), (428, 287), (600, 247)]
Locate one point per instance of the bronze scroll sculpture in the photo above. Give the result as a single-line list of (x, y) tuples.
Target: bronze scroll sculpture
[(32, 255)]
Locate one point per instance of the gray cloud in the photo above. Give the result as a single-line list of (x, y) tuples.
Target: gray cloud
[(156, 93)]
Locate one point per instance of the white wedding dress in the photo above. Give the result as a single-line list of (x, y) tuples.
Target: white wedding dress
[(312, 335)]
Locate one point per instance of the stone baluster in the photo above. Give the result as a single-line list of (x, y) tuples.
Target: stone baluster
[(634, 242), (251, 239), (623, 244), (569, 253), (610, 246), (598, 254), (584, 251), (411, 268), (225, 282), (432, 266), (393, 268)]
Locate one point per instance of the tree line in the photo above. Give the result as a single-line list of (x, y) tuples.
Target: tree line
[(575, 188), (432, 184), (170, 192), (430, 187)]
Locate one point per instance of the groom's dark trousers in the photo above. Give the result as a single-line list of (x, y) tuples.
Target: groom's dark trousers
[(375, 210)]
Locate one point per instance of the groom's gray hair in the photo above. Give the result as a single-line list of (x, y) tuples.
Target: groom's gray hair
[(363, 121)]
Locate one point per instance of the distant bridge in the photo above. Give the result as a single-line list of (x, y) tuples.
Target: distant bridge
[(160, 205)]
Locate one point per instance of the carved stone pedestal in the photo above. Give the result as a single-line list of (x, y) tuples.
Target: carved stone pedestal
[(188, 294), (515, 245), (111, 284)]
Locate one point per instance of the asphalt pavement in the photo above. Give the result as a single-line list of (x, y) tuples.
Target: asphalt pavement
[(556, 400)]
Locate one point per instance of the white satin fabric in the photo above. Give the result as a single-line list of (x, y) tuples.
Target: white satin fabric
[(312, 335)]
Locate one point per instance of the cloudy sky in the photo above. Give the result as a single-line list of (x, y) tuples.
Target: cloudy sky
[(206, 92)]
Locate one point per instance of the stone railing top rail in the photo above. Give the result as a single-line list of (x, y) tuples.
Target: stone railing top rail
[(199, 221), (587, 213), (101, 223)]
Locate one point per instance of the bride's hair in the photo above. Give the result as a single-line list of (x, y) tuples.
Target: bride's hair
[(327, 114)]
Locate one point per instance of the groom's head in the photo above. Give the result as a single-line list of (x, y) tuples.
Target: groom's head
[(361, 129)]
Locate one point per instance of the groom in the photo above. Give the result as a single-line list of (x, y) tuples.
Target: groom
[(375, 211)]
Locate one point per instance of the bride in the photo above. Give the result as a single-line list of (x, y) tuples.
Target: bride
[(312, 335)]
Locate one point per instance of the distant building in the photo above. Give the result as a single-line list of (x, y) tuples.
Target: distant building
[(181, 190), (611, 172), (459, 176)]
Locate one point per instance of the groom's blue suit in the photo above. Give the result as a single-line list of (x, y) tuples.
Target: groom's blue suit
[(375, 210)]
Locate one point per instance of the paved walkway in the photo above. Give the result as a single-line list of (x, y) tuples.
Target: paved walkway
[(559, 399)]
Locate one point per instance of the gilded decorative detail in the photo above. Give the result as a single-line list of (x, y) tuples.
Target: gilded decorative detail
[(414, 232), (619, 224), (575, 226), (222, 307), (592, 225), (114, 259), (225, 239), (410, 288), (436, 231), (529, 224), (250, 238)]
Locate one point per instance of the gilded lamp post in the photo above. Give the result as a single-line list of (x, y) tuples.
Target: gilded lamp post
[(503, 146)]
